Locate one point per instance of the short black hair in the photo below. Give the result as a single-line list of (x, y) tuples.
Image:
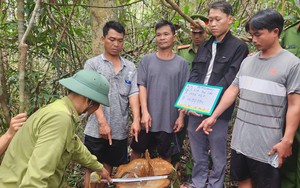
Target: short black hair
[(113, 25), (268, 19), (165, 23), (222, 6)]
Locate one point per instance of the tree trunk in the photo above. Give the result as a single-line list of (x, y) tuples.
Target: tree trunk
[(23, 48), (3, 89), (21, 31), (99, 16), (20, 17)]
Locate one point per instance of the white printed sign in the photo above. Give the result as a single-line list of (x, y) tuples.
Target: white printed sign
[(199, 98)]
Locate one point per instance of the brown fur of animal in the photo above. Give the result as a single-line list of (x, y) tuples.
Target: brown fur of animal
[(145, 167)]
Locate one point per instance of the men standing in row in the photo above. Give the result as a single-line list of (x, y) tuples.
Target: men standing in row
[(161, 76), (269, 90), (106, 132), (216, 63)]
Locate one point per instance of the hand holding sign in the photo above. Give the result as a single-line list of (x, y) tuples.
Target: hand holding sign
[(199, 98)]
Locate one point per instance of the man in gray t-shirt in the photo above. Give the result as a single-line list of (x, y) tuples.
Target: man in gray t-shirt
[(161, 76), (269, 90), (106, 132)]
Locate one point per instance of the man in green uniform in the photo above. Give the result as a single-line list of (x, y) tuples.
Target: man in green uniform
[(290, 171), (198, 36), (41, 150), (291, 39)]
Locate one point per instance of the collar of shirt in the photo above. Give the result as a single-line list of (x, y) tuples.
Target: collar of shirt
[(122, 61), (226, 37), (192, 48), (72, 109)]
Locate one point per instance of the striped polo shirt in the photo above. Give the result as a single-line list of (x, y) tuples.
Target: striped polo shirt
[(264, 85)]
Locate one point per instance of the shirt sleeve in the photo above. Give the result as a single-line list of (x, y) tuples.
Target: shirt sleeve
[(51, 132), (186, 73), (142, 73), (90, 65), (235, 82), (293, 84), (83, 156), (134, 86)]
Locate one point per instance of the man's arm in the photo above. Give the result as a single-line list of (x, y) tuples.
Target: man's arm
[(179, 123), (146, 118), (284, 148), (83, 156), (104, 127), (226, 101), (15, 124), (135, 108)]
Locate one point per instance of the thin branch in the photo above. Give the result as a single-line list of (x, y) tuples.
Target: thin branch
[(23, 53), (91, 6), (175, 7), (69, 35), (166, 4), (32, 20)]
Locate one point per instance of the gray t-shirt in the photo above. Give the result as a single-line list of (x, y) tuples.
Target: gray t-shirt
[(121, 87), (264, 87), (164, 80)]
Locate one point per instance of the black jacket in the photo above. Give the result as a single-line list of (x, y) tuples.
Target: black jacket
[(229, 56)]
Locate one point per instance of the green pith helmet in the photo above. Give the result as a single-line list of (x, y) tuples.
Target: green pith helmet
[(198, 16), (198, 19), (89, 84)]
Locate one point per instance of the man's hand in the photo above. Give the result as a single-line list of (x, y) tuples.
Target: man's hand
[(146, 121), (135, 129), (179, 124), (105, 175), (105, 132), (16, 123), (284, 150), (190, 113), (206, 125)]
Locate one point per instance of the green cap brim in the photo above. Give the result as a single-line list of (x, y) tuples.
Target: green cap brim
[(83, 90), (198, 16)]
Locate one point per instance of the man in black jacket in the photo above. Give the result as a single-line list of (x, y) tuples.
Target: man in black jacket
[(216, 63)]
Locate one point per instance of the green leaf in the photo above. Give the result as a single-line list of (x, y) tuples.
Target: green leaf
[(186, 9), (236, 24)]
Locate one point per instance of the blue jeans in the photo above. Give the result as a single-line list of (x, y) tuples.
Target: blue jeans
[(200, 145)]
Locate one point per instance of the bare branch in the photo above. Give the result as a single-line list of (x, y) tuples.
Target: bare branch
[(175, 7), (165, 4), (92, 6), (32, 20)]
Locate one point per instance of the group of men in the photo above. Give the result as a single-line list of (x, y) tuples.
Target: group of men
[(267, 84)]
